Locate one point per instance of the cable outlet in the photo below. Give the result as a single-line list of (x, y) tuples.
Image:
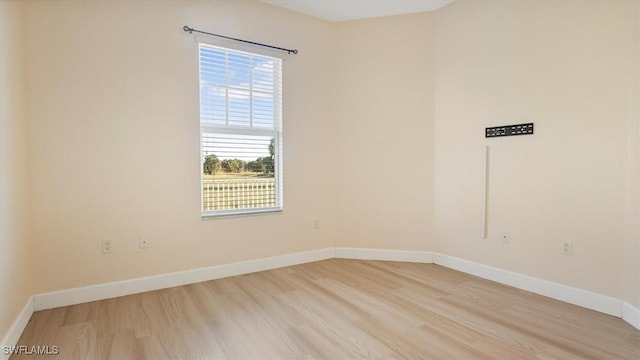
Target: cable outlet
[(106, 246), (505, 238), (143, 242), (567, 248)]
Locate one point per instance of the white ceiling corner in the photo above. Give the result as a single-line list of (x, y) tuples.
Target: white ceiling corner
[(341, 10)]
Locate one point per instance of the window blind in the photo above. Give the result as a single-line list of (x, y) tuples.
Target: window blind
[(241, 131)]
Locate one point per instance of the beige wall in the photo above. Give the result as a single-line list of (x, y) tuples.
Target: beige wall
[(631, 282), (115, 131), (384, 144), (384, 132), (15, 265), (571, 68)]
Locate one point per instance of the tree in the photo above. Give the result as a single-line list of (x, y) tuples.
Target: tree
[(272, 148), (255, 165), (211, 165), (233, 165), (267, 165), (261, 164)]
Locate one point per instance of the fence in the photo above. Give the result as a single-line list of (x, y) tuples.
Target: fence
[(231, 194)]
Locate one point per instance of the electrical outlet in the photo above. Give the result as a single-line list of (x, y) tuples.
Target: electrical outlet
[(106, 246), (567, 248), (143, 242), (316, 224), (505, 238)]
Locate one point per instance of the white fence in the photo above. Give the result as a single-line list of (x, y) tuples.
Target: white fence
[(230, 194)]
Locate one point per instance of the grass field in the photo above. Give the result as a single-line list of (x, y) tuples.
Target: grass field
[(242, 175)]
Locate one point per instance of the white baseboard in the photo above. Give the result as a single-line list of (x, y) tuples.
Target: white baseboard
[(631, 314), (384, 255), (16, 329), (590, 300), (163, 281), (568, 294)]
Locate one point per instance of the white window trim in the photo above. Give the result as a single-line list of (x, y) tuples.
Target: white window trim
[(276, 132)]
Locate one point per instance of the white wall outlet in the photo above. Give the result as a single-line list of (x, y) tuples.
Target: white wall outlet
[(143, 242), (567, 248), (316, 224), (106, 246), (505, 238)]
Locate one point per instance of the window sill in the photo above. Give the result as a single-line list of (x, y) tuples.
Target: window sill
[(210, 215)]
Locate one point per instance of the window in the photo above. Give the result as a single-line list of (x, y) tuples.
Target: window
[(240, 132)]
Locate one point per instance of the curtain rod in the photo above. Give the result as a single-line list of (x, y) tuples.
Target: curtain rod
[(191, 30)]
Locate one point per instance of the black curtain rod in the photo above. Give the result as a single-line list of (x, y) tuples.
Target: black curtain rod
[(191, 30)]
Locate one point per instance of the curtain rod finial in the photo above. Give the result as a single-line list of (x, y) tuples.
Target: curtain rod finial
[(186, 28)]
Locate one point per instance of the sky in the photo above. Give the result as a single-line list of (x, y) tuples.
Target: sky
[(247, 81), (236, 89)]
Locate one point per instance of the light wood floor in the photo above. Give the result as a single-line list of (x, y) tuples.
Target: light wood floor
[(334, 309)]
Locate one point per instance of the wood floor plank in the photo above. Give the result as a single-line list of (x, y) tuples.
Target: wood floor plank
[(333, 309)]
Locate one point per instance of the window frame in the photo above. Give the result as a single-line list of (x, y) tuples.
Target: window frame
[(276, 132)]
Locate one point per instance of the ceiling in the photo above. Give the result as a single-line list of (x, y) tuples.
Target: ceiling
[(340, 10)]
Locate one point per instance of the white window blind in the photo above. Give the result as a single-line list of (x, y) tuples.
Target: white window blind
[(240, 131)]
